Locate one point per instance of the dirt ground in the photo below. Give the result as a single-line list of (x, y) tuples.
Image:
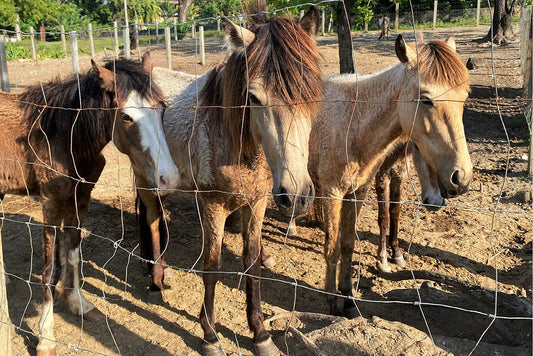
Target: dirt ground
[(480, 242)]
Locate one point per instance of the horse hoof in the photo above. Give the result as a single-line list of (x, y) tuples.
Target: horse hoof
[(47, 352), (154, 297), (266, 348), (293, 230), (93, 315), (384, 266), (212, 349), (269, 262), (350, 313), (400, 261)]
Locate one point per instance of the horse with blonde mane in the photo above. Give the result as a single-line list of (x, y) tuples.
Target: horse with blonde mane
[(243, 136), (420, 99)]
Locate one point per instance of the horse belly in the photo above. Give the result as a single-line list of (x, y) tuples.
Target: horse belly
[(17, 178)]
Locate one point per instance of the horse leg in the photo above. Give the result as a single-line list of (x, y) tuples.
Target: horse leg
[(349, 216), (153, 219), (396, 196), (214, 216), (383, 197), (252, 221), (332, 211), (52, 222)]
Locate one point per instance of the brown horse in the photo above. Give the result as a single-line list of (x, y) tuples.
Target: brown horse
[(421, 99), (389, 181), (249, 138), (384, 24), (52, 141)]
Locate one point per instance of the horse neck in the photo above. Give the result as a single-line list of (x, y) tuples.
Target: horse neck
[(375, 124)]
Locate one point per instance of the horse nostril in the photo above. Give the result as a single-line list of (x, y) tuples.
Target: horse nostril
[(284, 198), (456, 178), (162, 181)]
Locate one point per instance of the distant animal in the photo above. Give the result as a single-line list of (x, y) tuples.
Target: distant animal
[(51, 142), (420, 99), (241, 138), (384, 24)]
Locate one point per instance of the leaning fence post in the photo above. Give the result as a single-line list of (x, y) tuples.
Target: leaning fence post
[(63, 40), (3, 65), (330, 23), (168, 47), (175, 29), (33, 49), (91, 40), (435, 5), (6, 328), (74, 50), (115, 32), (202, 46), (396, 15)]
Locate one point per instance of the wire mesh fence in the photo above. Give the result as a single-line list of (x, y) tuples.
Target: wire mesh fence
[(466, 285)]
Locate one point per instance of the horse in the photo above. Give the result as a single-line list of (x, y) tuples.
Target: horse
[(384, 23), (52, 139), (388, 182), (247, 139), (421, 99)]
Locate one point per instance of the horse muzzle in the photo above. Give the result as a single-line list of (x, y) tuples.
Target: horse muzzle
[(293, 204)]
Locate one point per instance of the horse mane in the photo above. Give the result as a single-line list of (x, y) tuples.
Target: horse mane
[(285, 58), (56, 104), (439, 63)]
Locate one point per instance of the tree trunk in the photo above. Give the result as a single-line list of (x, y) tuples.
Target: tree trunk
[(501, 30), (344, 9), (183, 9)]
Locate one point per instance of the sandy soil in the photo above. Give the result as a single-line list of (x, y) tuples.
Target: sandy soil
[(458, 255)]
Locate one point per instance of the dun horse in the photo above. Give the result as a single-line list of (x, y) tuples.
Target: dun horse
[(52, 141), (249, 138), (421, 99)]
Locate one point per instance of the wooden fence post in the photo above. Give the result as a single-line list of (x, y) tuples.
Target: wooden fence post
[(137, 39), (4, 75), (6, 328), (91, 40), (63, 40), (218, 27), (126, 32), (175, 29), (193, 30), (33, 49), (396, 15), (157, 31), (330, 24), (74, 50), (478, 11), (169, 47), (323, 21), (202, 46), (17, 29), (115, 34), (435, 5)]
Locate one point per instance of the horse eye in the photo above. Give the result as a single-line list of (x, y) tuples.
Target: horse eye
[(426, 100), (253, 99), (126, 118)]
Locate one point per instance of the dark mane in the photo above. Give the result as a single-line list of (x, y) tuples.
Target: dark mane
[(285, 58), (439, 63), (58, 109)]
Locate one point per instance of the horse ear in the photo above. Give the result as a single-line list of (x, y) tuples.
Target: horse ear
[(451, 42), (238, 37), (147, 61), (310, 21), (105, 77), (404, 52)]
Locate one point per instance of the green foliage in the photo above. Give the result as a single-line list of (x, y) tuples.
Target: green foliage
[(8, 14), (214, 8), (16, 50)]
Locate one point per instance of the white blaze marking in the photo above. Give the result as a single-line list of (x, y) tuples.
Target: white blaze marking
[(152, 136)]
